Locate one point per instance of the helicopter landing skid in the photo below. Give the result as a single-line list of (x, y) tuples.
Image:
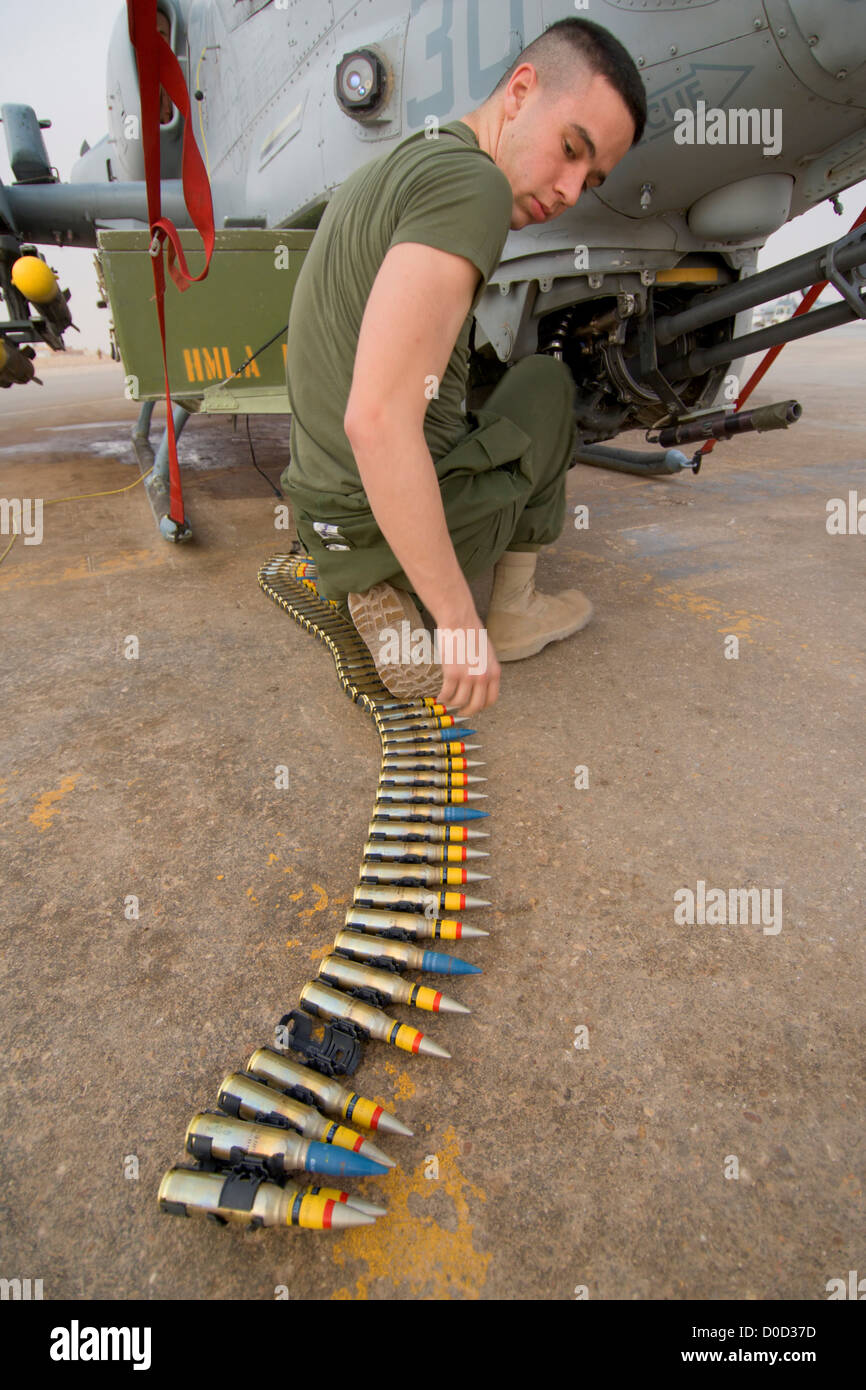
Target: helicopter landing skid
[(156, 483)]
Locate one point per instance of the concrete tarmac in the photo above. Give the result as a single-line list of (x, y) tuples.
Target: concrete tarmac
[(638, 1107)]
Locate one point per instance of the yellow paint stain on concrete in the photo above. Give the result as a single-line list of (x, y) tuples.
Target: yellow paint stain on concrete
[(294, 896), (251, 895), (319, 905), (293, 941), (2, 791), (45, 809), (115, 563), (404, 1088), (288, 870), (42, 575), (220, 878), (408, 1248), (320, 952), (273, 858), (738, 620)]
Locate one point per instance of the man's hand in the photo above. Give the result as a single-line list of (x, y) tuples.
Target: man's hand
[(470, 670)]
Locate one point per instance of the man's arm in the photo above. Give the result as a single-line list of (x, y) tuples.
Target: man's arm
[(414, 313)]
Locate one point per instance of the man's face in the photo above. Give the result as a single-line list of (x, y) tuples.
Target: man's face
[(555, 144)]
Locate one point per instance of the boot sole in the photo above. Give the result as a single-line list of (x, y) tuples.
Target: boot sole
[(381, 607)]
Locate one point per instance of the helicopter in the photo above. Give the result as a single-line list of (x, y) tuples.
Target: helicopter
[(645, 288)]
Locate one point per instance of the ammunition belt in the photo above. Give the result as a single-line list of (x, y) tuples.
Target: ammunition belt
[(285, 1112)]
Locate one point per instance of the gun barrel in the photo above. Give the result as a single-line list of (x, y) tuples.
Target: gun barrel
[(701, 360), (796, 274), (720, 426)]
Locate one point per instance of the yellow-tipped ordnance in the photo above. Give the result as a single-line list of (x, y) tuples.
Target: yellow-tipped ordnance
[(333, 1098), (420, 728), (394, 763), (417, 777), (413, 924), (38, 283), (416, 900), (429, 796), (248, 1200), (411, 751), (331, 1003), (353, 1200), (251, 1099), (352, 974), (416, 875), (419, 852), (34, 279)]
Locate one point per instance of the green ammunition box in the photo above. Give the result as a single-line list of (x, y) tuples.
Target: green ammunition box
[(213, 326)]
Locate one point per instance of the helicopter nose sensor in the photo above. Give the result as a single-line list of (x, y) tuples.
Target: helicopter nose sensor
[(360, 83)]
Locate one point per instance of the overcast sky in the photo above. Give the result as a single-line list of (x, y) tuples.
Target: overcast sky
[(53, 57)]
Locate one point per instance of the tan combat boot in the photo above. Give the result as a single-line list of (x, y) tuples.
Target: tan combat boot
[(521, 621), (386, 607)]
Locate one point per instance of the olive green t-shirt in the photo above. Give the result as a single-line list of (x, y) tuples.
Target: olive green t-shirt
[(443, 192)]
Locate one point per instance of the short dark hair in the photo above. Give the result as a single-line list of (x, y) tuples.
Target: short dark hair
[(597, 48)]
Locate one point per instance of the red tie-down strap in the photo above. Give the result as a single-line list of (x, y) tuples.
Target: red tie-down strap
[(158, 67)]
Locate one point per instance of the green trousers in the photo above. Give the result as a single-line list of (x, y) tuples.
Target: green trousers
[(502, 487)]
